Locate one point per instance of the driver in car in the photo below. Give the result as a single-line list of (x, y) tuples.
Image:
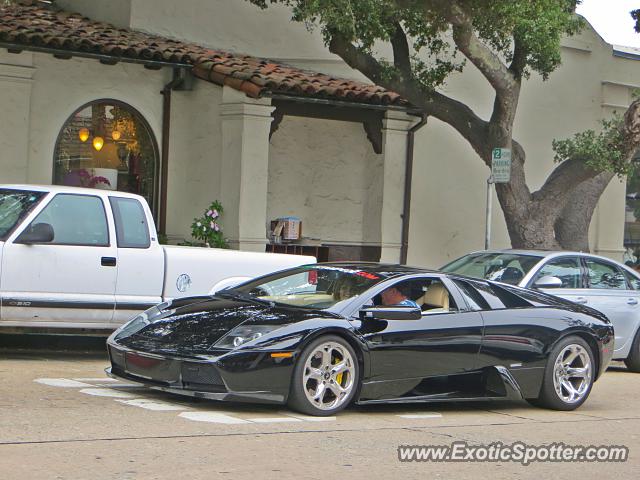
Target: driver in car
[(397, 296)]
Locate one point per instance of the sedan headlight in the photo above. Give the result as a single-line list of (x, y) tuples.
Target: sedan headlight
[(244, 334)]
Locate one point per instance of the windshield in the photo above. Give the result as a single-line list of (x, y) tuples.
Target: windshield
[(14, 206), (500, 267), (313, 286)]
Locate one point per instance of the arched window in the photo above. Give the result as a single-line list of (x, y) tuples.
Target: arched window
[(107, 144)]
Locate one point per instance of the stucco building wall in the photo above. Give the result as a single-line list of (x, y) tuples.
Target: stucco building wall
[(326, 173), (38, 93), (323, 171), (450, 179)]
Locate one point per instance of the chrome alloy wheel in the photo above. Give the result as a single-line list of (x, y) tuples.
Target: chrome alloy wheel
[(572, 373), (328, 376)]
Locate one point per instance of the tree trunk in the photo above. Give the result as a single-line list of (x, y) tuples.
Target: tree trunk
[(572, 226), (530, 221)]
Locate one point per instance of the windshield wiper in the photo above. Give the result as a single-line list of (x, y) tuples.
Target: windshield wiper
[(246, 297)]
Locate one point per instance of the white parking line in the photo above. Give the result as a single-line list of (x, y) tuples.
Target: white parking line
[(273, 420), (62, 382), (124, 385), (101, 379), (212, 417), (105, 392), (156, 405), (110, 389), (418, 416), (308, 418)]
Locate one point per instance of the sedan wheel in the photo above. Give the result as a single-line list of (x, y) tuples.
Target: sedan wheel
[(568, 376), (633, 360), (325, 377)]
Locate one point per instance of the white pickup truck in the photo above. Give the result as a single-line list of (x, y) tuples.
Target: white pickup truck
[(88, 260)]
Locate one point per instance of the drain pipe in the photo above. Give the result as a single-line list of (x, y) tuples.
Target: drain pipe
[(178, 80), (408, 176)]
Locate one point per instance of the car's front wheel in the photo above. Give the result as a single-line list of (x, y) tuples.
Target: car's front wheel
[(325, 378), (569, 375)]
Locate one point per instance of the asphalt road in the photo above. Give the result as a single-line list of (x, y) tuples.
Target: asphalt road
[(62, 418)]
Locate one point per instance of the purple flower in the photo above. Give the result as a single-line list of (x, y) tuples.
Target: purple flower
[(209, 213), (215, 226), (215, 214)]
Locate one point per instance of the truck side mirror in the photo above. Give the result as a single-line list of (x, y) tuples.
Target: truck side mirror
[(36, 233)]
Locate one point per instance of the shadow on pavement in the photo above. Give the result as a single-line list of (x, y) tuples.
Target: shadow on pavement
[(58, 344)]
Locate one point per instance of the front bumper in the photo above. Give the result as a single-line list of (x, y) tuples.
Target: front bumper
[(250, 376)]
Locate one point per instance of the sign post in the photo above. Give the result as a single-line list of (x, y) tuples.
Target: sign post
[(500, 173)]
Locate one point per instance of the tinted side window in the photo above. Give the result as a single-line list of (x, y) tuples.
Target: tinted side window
[(566, 269), (509, 298), (471, 296), (132, 230), (76, 220), (604, 275)]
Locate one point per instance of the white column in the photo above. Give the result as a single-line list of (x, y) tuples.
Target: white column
[(15, 101), (245, 162), (395, 128)]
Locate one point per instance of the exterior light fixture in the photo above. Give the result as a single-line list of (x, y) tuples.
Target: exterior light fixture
[(98, 143), (83, 134), (116, 135)]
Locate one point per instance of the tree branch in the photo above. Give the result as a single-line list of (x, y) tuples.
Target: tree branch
[(489, 64), (519, 61), (401, 55), (356, 58), (564, 178), (433, 103)]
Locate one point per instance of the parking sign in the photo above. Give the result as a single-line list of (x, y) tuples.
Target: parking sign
[(501, 165)]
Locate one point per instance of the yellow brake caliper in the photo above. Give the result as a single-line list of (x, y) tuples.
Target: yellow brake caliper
[(339, 376)]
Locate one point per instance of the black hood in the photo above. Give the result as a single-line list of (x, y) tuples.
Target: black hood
[(198, 323)]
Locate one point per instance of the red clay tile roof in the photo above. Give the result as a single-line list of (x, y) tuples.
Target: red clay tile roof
[(29, 26)]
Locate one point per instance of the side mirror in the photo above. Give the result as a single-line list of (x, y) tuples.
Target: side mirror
[(37, 233), (548, 281), (391, 313)]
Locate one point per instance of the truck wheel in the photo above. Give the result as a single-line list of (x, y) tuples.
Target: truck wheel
[(568, 376), (633, 360), (325, 378)]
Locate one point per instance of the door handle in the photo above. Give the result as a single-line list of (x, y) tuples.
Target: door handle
[(580, 300), (108, 261), (632, 301)]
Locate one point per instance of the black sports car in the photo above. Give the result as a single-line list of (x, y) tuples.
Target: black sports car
[(321, 336)]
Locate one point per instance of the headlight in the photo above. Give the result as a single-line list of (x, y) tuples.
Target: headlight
[(244, 334), (131, 327), (140, 321)]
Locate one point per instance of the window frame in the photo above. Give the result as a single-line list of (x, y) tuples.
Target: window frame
[(581, 268), (119, 224), (26, 214), (587, 279), (56, 244), (155, 200), (352, 311)]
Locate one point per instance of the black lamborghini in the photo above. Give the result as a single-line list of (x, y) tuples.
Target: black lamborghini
[(319, 337)]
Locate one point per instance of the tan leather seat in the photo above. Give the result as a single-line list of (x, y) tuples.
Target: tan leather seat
[(436, 298)]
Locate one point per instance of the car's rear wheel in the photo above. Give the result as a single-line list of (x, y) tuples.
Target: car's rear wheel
[(633, 360), (569, 375), (325, 378)]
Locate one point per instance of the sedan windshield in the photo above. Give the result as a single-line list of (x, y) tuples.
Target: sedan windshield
[(14, 206), (500, 267), (313, 286)]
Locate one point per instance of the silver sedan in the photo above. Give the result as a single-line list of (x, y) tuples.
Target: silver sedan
[(598, 282)]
